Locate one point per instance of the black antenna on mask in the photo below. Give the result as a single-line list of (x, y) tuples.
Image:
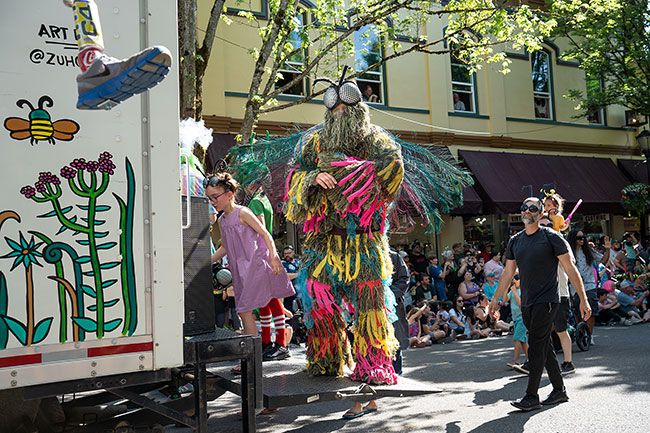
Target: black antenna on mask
[(345, 70)]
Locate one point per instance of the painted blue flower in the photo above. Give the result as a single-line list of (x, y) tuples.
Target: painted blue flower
[(24, 252)]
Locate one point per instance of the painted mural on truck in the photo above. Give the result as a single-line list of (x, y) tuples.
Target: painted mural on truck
[(96, 293)]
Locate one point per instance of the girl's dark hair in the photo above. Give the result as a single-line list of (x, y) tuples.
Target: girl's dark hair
[(482, 296), (224, 180), (573, 243)]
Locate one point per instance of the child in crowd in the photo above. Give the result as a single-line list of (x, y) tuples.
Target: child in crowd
[(520, 337), (443, 317), (416, 337), (553, 206), (258, 274)]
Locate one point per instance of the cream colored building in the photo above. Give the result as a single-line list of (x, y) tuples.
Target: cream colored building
[(498, 114)]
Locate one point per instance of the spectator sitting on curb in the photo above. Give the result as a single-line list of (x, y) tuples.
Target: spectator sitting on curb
[(630, 301), (458, 321), (416, 337)]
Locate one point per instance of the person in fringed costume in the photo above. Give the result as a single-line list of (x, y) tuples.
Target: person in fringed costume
[(348, 175), (346, 179)]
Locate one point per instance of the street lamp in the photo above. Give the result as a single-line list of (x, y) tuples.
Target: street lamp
[(644, 142)]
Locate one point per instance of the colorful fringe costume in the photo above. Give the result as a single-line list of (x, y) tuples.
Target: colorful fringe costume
[(345, 256), (346, 267)]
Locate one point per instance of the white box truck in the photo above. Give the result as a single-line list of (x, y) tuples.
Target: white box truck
[(91, 258)]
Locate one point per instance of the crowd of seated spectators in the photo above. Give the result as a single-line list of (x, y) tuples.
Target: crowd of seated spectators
[(448, 296)]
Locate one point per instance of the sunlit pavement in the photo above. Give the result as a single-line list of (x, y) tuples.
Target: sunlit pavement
[(610, 392)]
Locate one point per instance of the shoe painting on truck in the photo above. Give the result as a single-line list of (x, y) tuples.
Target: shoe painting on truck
[(91, 264)]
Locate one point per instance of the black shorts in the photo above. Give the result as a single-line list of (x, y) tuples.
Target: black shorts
[(562, 316)]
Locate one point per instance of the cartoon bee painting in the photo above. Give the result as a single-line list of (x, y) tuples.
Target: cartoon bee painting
[(40, 127)]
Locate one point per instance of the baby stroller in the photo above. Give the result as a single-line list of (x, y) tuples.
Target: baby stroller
[(578, 330)]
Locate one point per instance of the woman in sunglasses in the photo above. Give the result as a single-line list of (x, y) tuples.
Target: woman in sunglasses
[(257, 272), (587, 260)]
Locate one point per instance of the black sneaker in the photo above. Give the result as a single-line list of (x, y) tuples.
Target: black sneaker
[(556, 396), (266, 349), (528, 403), (567, 368), (523, 368), (278, 353)]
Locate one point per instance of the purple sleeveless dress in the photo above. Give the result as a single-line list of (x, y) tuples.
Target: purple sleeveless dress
[(248, 260)]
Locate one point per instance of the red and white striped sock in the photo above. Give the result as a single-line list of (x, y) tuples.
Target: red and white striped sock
[(277, 309), (280, 335), (265, 320)]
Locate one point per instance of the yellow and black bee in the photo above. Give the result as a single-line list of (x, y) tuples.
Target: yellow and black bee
[(40, 127)]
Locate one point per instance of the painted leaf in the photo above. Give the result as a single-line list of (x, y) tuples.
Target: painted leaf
[(82, 259), (52, 213), (84, 242), (97, 222), (99, 208), (88, 325), (4, 301), (89, 273), (17, 328), (92, 308), (109, 326), (41, 329), (108, 283), (106, 246), (109, 265), (101, 234), (61, 230), (111, 302), (88, 290)]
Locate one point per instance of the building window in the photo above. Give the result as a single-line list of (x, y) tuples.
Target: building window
[(293, 66), (367, 52), (463, 84), (542, 97), (595, 116)]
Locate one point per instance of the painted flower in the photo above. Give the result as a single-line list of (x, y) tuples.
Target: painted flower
[(28, 191), (106, 166), (105, 156), (23, 252), (40, 186), (78, 163), (68, 172), (92, 166)]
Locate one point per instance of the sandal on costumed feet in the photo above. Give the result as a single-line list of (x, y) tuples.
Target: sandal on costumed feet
[(369, 409), (350, 414)]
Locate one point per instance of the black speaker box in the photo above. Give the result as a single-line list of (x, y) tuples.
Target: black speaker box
[(197, 268)]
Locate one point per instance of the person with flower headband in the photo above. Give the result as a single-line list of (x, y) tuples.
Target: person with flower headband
[(553, 206)]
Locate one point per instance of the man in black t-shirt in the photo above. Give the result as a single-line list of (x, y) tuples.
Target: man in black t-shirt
[(536, 251)]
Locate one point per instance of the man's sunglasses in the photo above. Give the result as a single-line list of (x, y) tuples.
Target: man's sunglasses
[(532, 208)]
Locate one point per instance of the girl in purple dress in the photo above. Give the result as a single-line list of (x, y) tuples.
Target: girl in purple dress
[(258, 274)]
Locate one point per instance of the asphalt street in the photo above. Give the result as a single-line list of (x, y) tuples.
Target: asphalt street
[(610, 392)]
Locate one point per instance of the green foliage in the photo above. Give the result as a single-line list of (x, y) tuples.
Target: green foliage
[(611, 41), (636, 198)]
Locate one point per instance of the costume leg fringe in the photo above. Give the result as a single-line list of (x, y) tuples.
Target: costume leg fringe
[(328, 350), (374, 337)]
